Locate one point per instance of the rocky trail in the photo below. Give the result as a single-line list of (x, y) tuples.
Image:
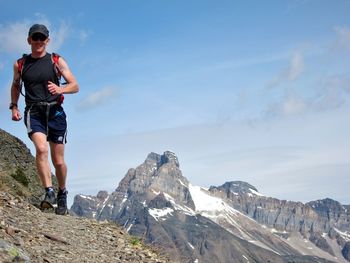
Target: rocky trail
[(30, 235)]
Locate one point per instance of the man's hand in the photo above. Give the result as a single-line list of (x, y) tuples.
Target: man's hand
[(16, 115), (54, 89)]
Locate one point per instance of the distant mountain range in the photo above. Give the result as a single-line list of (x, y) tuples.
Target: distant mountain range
[(228, 223)]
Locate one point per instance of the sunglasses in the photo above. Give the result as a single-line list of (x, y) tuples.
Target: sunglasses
[(39, 36)]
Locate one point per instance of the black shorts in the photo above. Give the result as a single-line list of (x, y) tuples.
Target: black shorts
[(48, 119)]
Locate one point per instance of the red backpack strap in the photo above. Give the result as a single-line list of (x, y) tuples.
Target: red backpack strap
[(20, 63), (55, 58)]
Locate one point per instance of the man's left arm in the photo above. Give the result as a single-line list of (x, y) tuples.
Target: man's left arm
[(72, 84)]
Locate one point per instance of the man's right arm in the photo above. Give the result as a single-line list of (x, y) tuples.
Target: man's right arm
[(15, 91)]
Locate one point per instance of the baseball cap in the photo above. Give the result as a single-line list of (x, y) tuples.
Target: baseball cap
[(38, 28)]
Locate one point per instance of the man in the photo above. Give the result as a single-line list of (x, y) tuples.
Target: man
[(44, 116)]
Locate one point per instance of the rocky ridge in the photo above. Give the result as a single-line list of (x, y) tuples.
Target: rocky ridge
[(29, 235)]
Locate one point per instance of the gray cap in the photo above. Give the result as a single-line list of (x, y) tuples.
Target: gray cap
[(37, 28)]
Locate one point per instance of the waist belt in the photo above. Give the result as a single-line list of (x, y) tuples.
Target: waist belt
[(48, 106)]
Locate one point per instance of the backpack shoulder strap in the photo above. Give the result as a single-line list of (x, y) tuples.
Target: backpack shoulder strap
[(20, 63), (55, 58)]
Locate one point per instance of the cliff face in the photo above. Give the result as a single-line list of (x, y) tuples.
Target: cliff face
[(323, 222), (228, 223)]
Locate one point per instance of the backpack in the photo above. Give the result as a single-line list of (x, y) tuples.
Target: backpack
[(54, 58)]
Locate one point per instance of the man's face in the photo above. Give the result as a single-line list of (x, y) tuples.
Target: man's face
[(38, 42)]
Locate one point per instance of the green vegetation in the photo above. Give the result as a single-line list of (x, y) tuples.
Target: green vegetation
[(136, 241), (20, 177), (14, 252)]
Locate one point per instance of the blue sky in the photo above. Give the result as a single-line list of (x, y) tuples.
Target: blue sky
[(256, 91)]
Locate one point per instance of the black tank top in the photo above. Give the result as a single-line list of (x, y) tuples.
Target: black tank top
[(35, 76)]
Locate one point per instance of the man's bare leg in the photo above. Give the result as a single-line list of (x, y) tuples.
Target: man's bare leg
[(57, 156), (42, 162)]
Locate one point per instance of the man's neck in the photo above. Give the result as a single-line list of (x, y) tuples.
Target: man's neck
[(38, 54)]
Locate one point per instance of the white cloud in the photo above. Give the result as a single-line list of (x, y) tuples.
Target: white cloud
[(292, 72), (83, 35), (97, 98), (289, 105), (293, 105), (342, 41), (57, 37), (296, 66), (14, 35), (333, 92)]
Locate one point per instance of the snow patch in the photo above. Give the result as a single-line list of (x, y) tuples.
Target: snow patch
[(191, 246), (123, 201), (155, 192), (87, 197), (185, 209), (345, 235), (129, 228), (159, 213), (182, 183), (245, 258), (205, 202), (255, 192)]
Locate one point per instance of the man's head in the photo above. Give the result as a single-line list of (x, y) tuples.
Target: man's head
[(38, 38), (38, 29)]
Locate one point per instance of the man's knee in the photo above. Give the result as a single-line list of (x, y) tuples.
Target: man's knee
[(59, 163), (42, 150)]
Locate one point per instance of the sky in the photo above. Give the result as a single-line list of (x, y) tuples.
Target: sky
[(255, 91)]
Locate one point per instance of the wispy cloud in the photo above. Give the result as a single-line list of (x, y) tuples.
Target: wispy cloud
[(334, 91), (331, 93), (83, 36), (342, 42), (98, 98), (13, 35), (292, 72), (58, 36)]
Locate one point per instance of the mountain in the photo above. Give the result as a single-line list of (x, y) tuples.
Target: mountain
[(228, 223)]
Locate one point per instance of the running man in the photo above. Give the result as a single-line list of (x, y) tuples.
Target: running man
[(44, 116)]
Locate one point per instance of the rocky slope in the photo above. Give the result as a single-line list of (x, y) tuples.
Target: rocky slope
[(229, 223), (29, 235), (18, 174)]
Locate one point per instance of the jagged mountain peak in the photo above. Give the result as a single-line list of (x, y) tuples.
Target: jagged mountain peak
[(236, 188), (328, 206), (168, 157), (325, 202)]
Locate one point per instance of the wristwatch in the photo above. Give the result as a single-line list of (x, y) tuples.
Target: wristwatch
[(13, 105)]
